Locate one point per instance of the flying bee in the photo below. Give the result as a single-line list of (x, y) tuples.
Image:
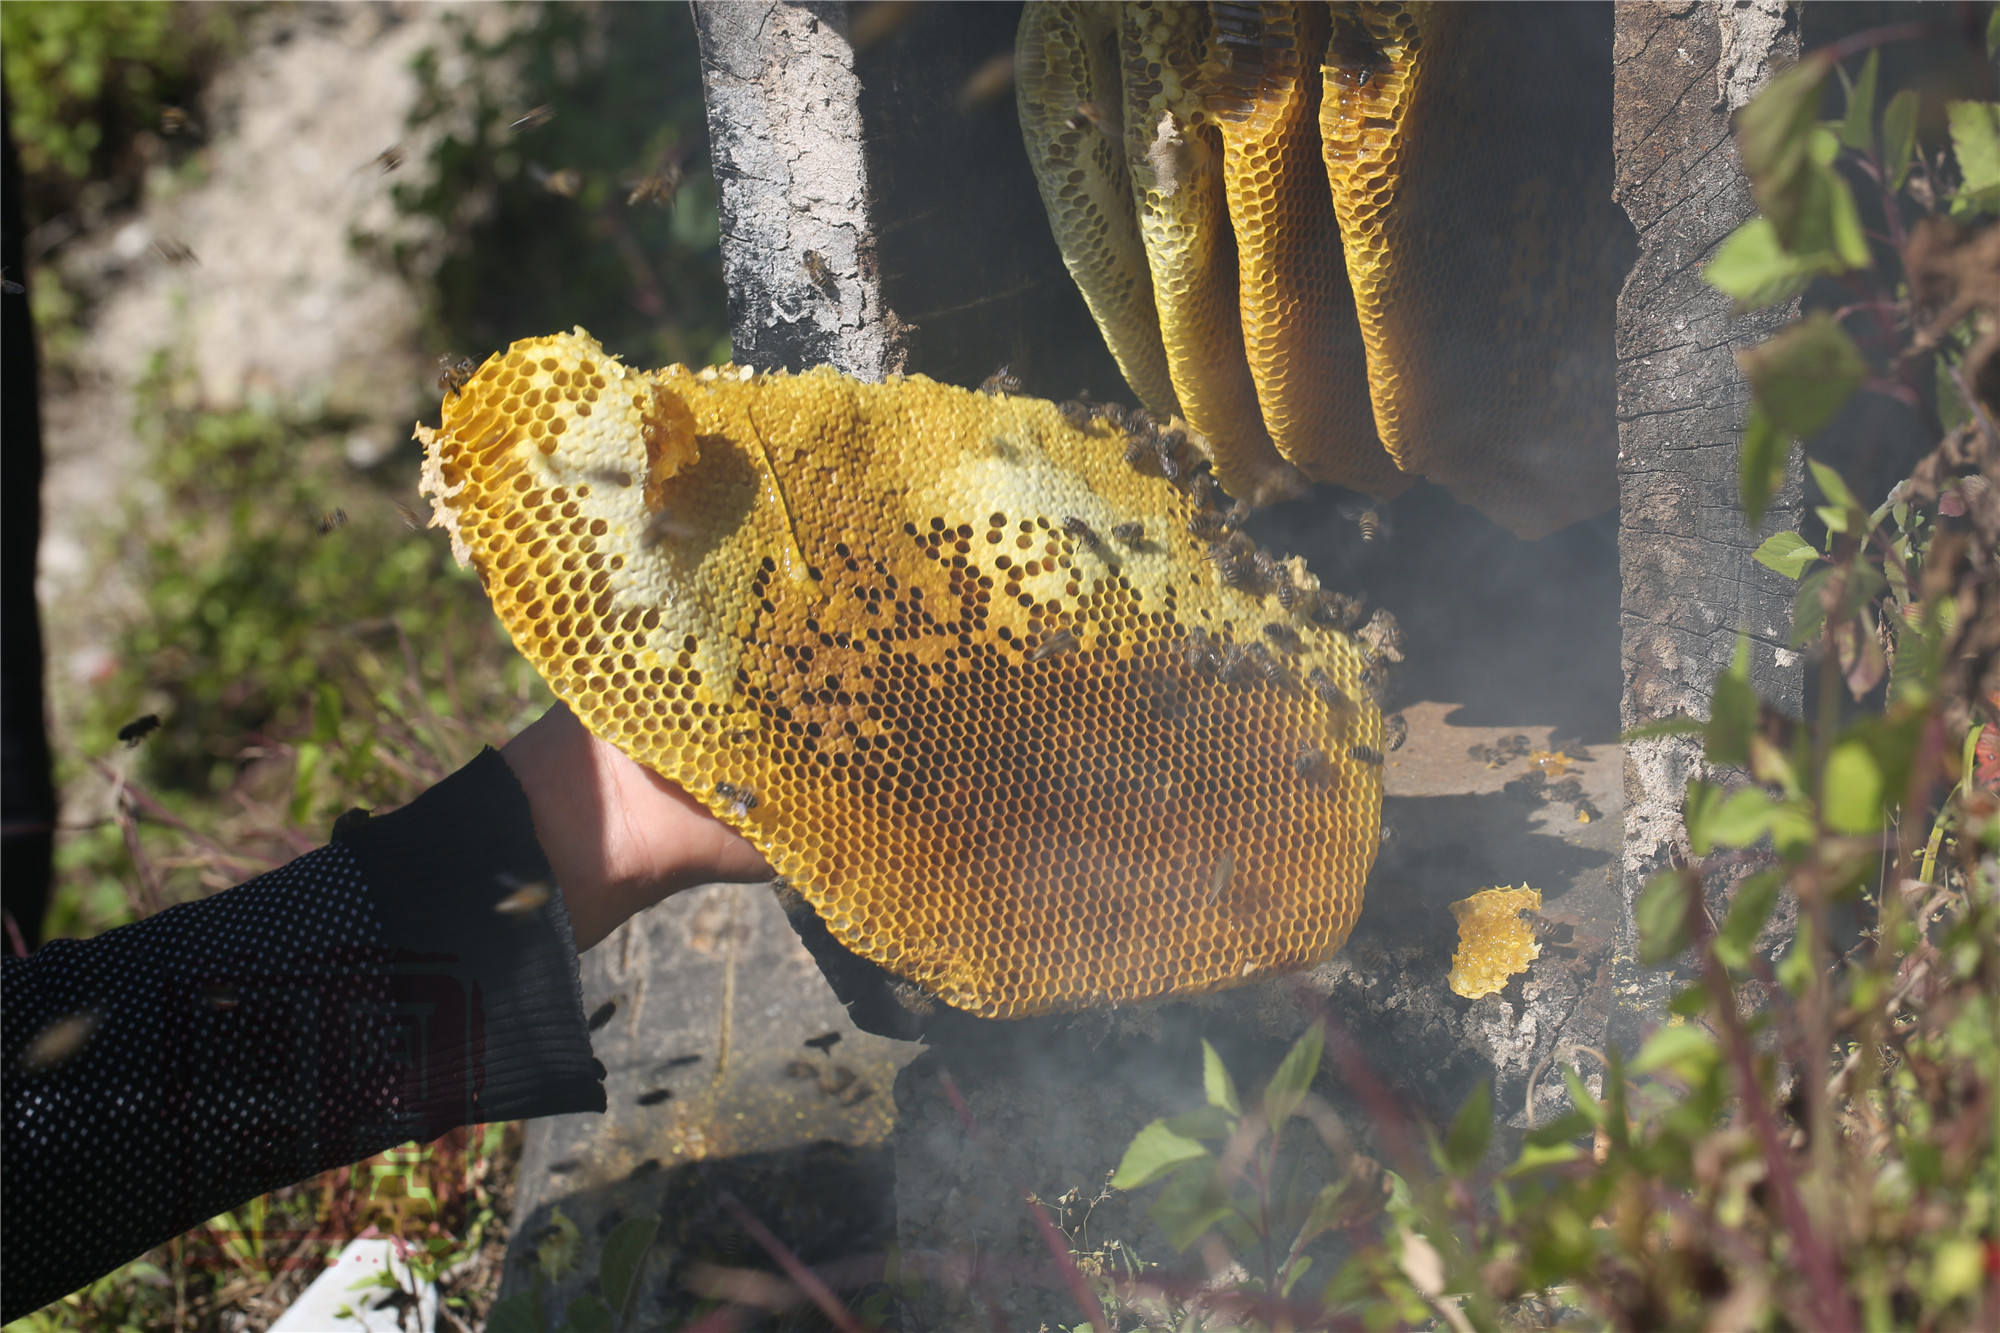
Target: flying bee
[(412, 520), (565, 181), (664, 526), (329, 521), (1223, 876), (1131, 533), (534, 120), (820, 274), (138, 729), (1395, 731), (59, 1042), (1383, 636), (741, 799), (524, 898), (1062, 641), (1002, 383), (1328, 692), (1080, 530), (176, 120), (388, 159), (1311, 763), (455, 372), (1092, 115), (658, 188), (1365, 754), (176, 252), (1202, 654), (1284, 636), (824, 1042), (1372, 519)]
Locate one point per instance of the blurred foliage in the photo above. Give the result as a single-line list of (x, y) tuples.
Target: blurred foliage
[(84, 77), (544, 135), (445, 1203), (621, 1257)]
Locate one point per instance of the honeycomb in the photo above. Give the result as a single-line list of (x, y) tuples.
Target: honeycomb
[(1175, 154), (1066, 81), (1494, 942), (1300, 335), (958, 669), (1481, 241)]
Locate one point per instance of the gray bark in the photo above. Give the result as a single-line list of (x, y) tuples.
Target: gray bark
[(1690, 583)]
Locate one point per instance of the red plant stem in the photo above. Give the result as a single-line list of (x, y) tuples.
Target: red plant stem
[(804, 1278), (1079, 1290), (1821, 1272)]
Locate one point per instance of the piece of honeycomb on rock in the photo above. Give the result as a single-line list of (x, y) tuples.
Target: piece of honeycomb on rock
[(957, 668), (1494, 942)]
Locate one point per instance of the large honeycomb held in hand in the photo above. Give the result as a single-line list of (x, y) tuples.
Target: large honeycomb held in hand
[(959, 669)]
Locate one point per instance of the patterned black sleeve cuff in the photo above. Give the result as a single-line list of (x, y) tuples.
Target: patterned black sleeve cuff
[(489, 1009)]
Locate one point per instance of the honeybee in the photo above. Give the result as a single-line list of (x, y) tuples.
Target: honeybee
[(1237, 515), (176, 251), (331, 520), (1062, 641), (566, 181), (1372, 519), (1204, 488), (1223, 876), (1131, 533), (524, 898), (1002, 383), (534, 120), (1205, 524), (1329, 693), (388, 159), (1080, 530), (1271, 571), (741, 799), (138, 729), (1354, 58), (1137, 450), (176, 120), (1395, 731), (1233, 564), (1077, 413), (455, 372), (221, 998), (1365, 754), (59, 1042), (1383, 636), (1202, 654), (1337, 610), (1310, 762), (824, 1042), (1167, 448), (1092, 115), (820, 274), (1284, 636), (658, 188)]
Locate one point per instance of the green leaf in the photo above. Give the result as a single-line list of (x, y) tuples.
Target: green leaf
[(1207, 1123), (1755, 898), (1666, 726), (1215, 1081), (519, 1313), (1681, 1047), (1572, 1125), (1794, 971), (1833, 487), (1471, 1130), (1852, 790), (1742, 819), (1899, 136), (1805, 373), (1295, 1074), (1342, 1204), (1663, 914), (558, 1248), (1787, 553), (1975, 142), (1773, 134), (587, 1314), (1154, 1152), (1537, 1156), (1189, 1206), (1761, 468), (624, 1254), (1698, 808), (1732, 715), (1689, 1001), (1755, 270), (1809, 607), (1857, 129)]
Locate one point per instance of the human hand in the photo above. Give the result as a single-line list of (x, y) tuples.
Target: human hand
[(618, 836)]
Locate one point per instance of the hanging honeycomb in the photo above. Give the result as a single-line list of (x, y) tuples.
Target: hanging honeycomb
[(958, 668), (1494, 943), (1418, 208)]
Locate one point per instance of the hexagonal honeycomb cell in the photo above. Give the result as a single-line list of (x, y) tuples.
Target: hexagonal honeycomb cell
[(1494, 943), (962, 672)]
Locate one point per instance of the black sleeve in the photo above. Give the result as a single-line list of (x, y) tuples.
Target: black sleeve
[(414, 975)]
